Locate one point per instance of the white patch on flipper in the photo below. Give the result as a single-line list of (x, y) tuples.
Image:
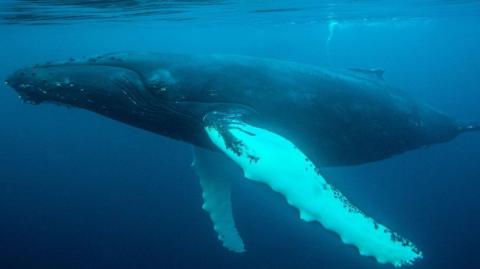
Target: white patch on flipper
[(213, 171), (269, 158)]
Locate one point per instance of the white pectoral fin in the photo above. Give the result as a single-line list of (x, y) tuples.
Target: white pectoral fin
[(271, 159), (213, 171)]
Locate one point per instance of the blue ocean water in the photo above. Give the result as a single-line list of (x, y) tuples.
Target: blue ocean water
[(81, 191)]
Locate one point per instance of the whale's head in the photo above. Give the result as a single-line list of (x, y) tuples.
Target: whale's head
[(94, 87), (124, 88)]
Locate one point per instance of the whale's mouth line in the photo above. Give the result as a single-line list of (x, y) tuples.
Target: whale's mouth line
[(29, 98)]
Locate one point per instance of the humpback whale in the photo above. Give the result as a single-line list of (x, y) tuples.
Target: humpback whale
[(278, 121)]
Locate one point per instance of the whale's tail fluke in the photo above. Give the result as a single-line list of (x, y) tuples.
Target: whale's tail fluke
[(469, 127)]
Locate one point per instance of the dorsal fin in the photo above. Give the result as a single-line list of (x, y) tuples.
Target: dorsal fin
[(372, 72)]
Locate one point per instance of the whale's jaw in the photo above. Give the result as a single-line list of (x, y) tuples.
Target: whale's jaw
[(115, 90), (94, 87)]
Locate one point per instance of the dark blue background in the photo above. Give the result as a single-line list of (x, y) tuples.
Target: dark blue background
[(81, 191)]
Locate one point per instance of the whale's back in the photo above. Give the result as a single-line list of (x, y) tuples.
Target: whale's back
[(340, 117)]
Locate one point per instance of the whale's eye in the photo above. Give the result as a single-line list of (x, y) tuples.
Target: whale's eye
[(160, 82), (158, 87)]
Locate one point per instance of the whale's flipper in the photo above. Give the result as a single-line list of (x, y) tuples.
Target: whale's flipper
[(272, 159), (215, 178)]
